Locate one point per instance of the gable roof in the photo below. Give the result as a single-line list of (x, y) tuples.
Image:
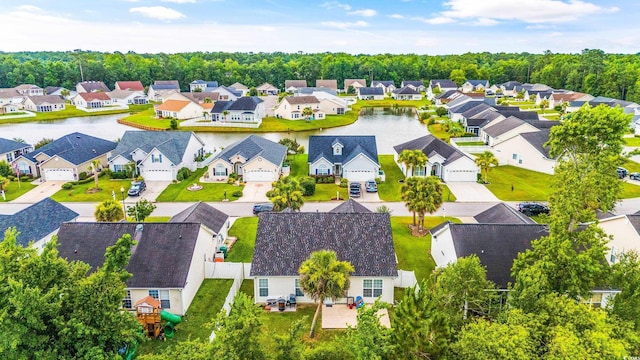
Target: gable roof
[(46, 99), (253, 146), (385, 83), (38, 220), (172, 144), (315, 90), (51, 89), (406, 90), (7, 145), (523, 115), (76, 148), (350, 82), (415, 83), (157, 87), (371, 91), (200, 97), (204, 214), (474, 110), (10, 93), (266, 86), (123, 94), (161, 258), (246, 103), (502, 213), (238, 86), (297, 100), (130, 85), (431, 145), (284, 241), (173, 105), (93, 86), (478, 82), (209, 84), (173, 83), (331, 84), (295, 83), (537, 139), (504, 126), (321, 147), (92, 96), (511, 84), (462, 104), (350, 206), (443, 83)]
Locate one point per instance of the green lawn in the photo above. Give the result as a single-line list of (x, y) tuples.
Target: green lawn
[(245, 230), (630, 191), (527, 184), (162, 219), (391, 188), (71, 111), (324, 192), (471, 143), (82, 193), (632, 141), (197, 323), (299, 165), (12, 191), (436, 130), (414, 252), (147, 118), (631, 165), (209, 192)]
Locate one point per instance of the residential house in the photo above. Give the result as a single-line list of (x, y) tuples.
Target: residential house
[(293, 85), (227, 93), (502, 130), (444, 161), (475, 86), (447, 96), (406, 93), (625, 233), (329, 84), (91, 100), (129, 85), (354, 83), (502, 213), (254, 158), (38, 222), (473, 123), (351, 157), (248, 109), (178, 109), (417, 85), (11, 149), (8, 108), (238, 87), (44, 103), (567, 97), (91, 86), (197, 97), (128, 97), (29, 90), (510, 88), (167, 263), (442, 85), (158, 155), (285, 240), (331, 104), (57, 90), (202, 86), (214, 221), (315, 91), (387, 86), (11, 96), (161, 89), (66, 157), (267, 89), (526, 150), (370, 93), (292, 107)]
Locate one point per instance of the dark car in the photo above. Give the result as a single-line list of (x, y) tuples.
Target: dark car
[(371, 186), (532, 208), (137, 187), (258, 208), (634, 176), (355, 189), (622, 172)]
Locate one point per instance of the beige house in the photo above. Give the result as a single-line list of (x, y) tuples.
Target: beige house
[(624, 230), (254, 158), (267, 89), (44, 103), (500, 130), (329, 84), (91, 100), (355, 83), (292, 107), (179, 109)]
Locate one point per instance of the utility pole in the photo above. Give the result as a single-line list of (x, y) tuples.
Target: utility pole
[(81, 74)]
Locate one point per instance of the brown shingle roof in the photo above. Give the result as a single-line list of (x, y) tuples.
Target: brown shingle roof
[(295, 100), (90, 96), (331, 84)]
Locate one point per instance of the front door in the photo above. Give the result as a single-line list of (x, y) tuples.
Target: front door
[(237, 168), (337, 169)]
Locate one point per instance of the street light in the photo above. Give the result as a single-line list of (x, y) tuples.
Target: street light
[(124, 209)]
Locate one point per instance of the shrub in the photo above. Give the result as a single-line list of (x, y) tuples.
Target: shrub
[(67, 186), (233, 176), (185, 172), (270, 193), (11, 177), (82, 175), (5, 168), (378, 180), (301, 149), (25, 178), (431, 121), (119, 175), (231, 180), (179, 177), (173, 125), (139, 178), (106, 172), (557, 108), (237, 193), (344, 182), (424, 115), (441, 111), (308, 185)]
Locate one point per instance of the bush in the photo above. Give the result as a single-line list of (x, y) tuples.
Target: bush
[(179, 177), (5, 168), (441, 111), (106, 172), (237, 193), (234, 176), (378, 180), (173, 125), (344, 182), (82, 175), (185, 172), (139, 178), (67, 186), (431, 121), (308, 185), (11, 177), (424, 116), (231, 180), (119, 175), (557, 108), (26, 178), (271, 193)]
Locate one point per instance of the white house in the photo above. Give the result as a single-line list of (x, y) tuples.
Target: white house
[(417, 85), (267, 89), (11, 96), (500, 130), (292, 107), (354, 83), (475, 86), (11, 149), (128, 97), (351, 157), (92, 100), (527, 151), (406, 93), (247, 109), (285, 240), (158, 154), (30, 90), (444, 161), (370, 93), (254, 158), (387, 86), (443, 85), (241, 88), (227, 93), (201, 85)]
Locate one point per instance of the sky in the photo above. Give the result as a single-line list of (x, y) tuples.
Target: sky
[(432, 27)]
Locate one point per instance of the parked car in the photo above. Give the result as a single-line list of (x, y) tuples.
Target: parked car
[(634, 176), (262, 207), (355, 189), (137, 187), (532, 208), (371, 186), (622, 172)]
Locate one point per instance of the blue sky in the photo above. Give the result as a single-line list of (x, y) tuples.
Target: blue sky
[(386, 26)]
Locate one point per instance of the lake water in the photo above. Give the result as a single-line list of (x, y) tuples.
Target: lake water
[(390, 127)]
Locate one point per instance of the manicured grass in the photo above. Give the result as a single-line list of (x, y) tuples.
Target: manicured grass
[(147, 118), (632, 141), (245, 230), (630, 191), (80, 193), (436, 130), (162, 219), (324, 192), (72, 111), (209, 192), (414, 252), (527, 184), (631, 165), (12, 191), (471, 143), (198, 322), (391, 188), (299, 165)]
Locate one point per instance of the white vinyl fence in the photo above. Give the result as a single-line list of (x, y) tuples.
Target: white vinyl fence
[(227, 270)]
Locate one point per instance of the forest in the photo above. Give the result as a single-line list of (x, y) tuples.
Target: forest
[(592, 71)]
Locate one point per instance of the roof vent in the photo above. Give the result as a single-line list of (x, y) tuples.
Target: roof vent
[(77, 136)]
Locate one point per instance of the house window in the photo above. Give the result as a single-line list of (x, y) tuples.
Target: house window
[(263, 287), (514, 156), (165, 299), (297, 287), (613, 255), (154, 294), (372, 287), (126, 302), (156, 159), (118, 168), (220, 170), (323, 170), (9, 157), (337, 150), (420, 171), (520, 161)]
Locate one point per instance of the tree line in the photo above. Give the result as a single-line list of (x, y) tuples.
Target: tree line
[(592, 71)]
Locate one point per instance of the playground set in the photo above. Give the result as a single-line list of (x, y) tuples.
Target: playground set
[(149, 315)]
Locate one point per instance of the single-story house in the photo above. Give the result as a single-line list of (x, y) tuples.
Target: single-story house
[(129, 85), (500, 130), (267, 89), (330, 84), (227, 93), (44, 103), (417, 85), (526, 150), (197, 97), (92, 100), (158, 155), (241, 88), (370, 93), (247, 109), (406, 93), (65, 158), (285, 240), (38, 223), (128, 97), (30, 90), (11, 96), (179, 109), (510, 88), (330, 102), (11, 149), (214, 221), (57, 90), (386, 85), (444, 161), (293, 85), (167, 263), (442, 85), (254, 158), (475, 86), (354, 83), (8, 108), (447, 96), (351, 157), (203, 86), (91, 86), (292, 107), (502, 213)]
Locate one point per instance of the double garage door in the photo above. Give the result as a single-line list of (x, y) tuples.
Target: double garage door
[(359, 175), (58, 174), (258, 175), (157, 175)]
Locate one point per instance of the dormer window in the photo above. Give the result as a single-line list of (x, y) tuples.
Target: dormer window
[(337, 149)]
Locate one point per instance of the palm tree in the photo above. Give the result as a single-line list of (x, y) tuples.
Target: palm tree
[(412, 159), (455, 129), (323, 276), (307, 113), (486, 161), (544, 104), (95, 164), (422, 195), (225, 113), (287, 194)]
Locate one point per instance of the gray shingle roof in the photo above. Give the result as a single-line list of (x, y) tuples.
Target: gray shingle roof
[(199, 97), (51, 89), (386, 83), (91, 86), (502, 213), (295, 83), (463, 104), (480, 107), (284, 241), (350, 206), (634, 219), (294, 100), (311, 90), (478, 82), (537, 139), (443, 83), (503, 126), (461, 100), (76, 148), (37, 220), (165, 87), (253, 146), (209, 84), (415, 83), (245, 103), (511, 84), (204, 214), (7, 145), (172, 144), (524, 115), (406, 90), (371, 91), (430, 145), (161, 259), (320, 146), (173, 83)]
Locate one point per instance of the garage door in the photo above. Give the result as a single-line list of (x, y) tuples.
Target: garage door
[(258, 175), (58, 174), (157, 175), (359, 175), (460, 175)]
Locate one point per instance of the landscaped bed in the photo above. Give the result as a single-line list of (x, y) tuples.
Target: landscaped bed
[(391, 188), (209, 191)]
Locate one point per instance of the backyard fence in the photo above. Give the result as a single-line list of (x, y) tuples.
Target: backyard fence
[(459, 143), (227, 270), (405, 279)]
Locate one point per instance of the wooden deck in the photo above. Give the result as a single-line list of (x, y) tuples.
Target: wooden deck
[(339, 316)]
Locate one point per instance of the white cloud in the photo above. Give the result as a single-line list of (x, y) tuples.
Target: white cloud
[(434, 21), (158, 12), (180, 1), (335, 5), (30, 8), (483, 22), (363, 12), (396, 16), (540, 27), (344, 25), (426, 42)]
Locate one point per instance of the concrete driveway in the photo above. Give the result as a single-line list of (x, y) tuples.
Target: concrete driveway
[(154, 189), (43, 190), (471, 192), (366, 197), (255, 192)]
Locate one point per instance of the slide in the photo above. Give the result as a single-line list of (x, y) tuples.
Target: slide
[(172, 320)]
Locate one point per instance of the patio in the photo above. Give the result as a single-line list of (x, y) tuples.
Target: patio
[(339, 316)]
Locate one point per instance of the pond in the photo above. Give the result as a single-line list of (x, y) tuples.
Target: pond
[(390, 127)]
